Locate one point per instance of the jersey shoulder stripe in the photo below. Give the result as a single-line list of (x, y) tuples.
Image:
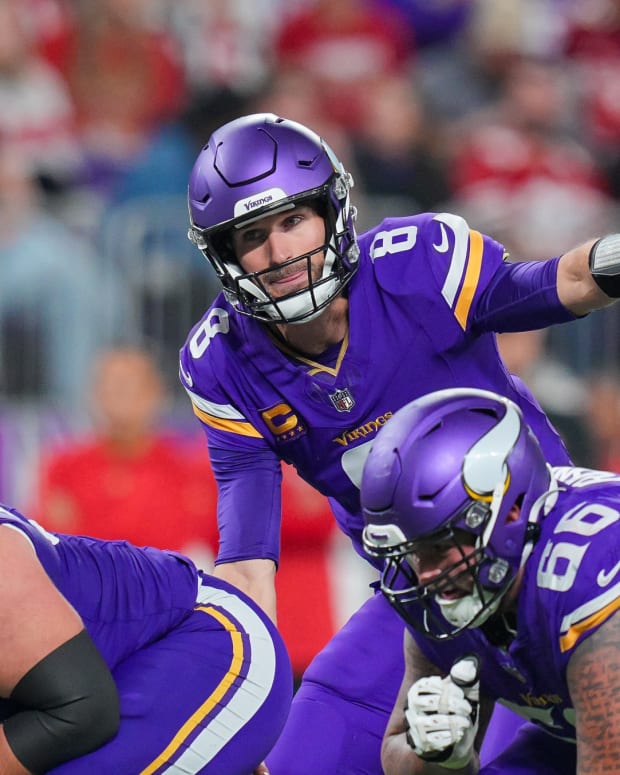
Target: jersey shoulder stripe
[(472, 276), (460, 230), (222, 416), (588, 616), (463, 275)]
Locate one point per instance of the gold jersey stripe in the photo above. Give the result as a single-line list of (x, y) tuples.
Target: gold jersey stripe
[(231, 426), (472, 275), (215, 697), (568, 640)]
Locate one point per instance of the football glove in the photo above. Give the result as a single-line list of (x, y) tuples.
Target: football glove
[(442, 715)]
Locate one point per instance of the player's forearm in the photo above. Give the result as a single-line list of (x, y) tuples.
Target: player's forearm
[(577, 289), (398, 758), (254, 577), (9, 765)]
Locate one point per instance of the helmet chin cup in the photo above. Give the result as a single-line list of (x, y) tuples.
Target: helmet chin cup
[(251, 296), (470, 610), (309, 306)]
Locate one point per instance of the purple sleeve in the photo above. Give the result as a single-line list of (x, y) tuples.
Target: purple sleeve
[(249, 504), (521, 297)]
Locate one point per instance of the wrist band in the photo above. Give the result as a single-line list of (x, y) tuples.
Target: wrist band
[(604, 262)]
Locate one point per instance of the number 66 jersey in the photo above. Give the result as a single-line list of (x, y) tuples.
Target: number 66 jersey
[(423, 307)]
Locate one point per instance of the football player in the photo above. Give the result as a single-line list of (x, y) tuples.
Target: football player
[(318, 337), (505, 571), (118, 659)]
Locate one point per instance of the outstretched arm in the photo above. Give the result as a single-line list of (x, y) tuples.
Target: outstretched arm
[(594, 684), (577, 289), (249, 516)]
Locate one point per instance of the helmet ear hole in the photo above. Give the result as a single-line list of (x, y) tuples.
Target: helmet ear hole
[(223, 245), (515, 511)]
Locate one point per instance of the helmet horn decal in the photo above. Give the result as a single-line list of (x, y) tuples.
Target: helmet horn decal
[(484, 465)]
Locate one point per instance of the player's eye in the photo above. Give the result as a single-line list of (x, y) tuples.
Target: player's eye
[(252, 236), (293, 220)]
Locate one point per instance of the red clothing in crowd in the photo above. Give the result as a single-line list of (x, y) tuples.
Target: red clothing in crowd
[(593, 46), (125, 78), (164, 496), (343, 45), (304, 587)]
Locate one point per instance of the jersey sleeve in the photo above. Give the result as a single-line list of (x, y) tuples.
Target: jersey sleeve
[(580, 562), (468, 272), (485, 291), (249, 504), (246, 469), (521, 296)]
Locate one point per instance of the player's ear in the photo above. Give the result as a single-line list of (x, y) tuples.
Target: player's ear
[(513, 514)]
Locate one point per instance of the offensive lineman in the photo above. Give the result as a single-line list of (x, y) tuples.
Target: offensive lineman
[(492, 553), (125, 660)]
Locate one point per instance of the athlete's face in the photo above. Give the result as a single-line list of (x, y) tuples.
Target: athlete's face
[(274, 239), (443, 566)]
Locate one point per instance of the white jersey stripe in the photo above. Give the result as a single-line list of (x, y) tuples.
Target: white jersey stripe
[(224, 411), (459, 255), (249, 696)]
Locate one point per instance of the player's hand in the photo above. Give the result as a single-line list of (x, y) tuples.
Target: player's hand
[(261, 769), (442, 715)]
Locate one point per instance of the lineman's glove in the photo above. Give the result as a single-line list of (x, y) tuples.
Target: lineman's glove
[(442, 714)]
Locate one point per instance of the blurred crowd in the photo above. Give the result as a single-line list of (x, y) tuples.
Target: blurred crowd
[(504, 111)]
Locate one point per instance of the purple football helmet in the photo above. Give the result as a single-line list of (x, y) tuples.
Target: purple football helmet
[(259, 165), (447, 470)]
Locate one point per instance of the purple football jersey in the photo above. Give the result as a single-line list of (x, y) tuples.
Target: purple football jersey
[(571, 586), (423, 306), (203, 677), (127, 596)]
